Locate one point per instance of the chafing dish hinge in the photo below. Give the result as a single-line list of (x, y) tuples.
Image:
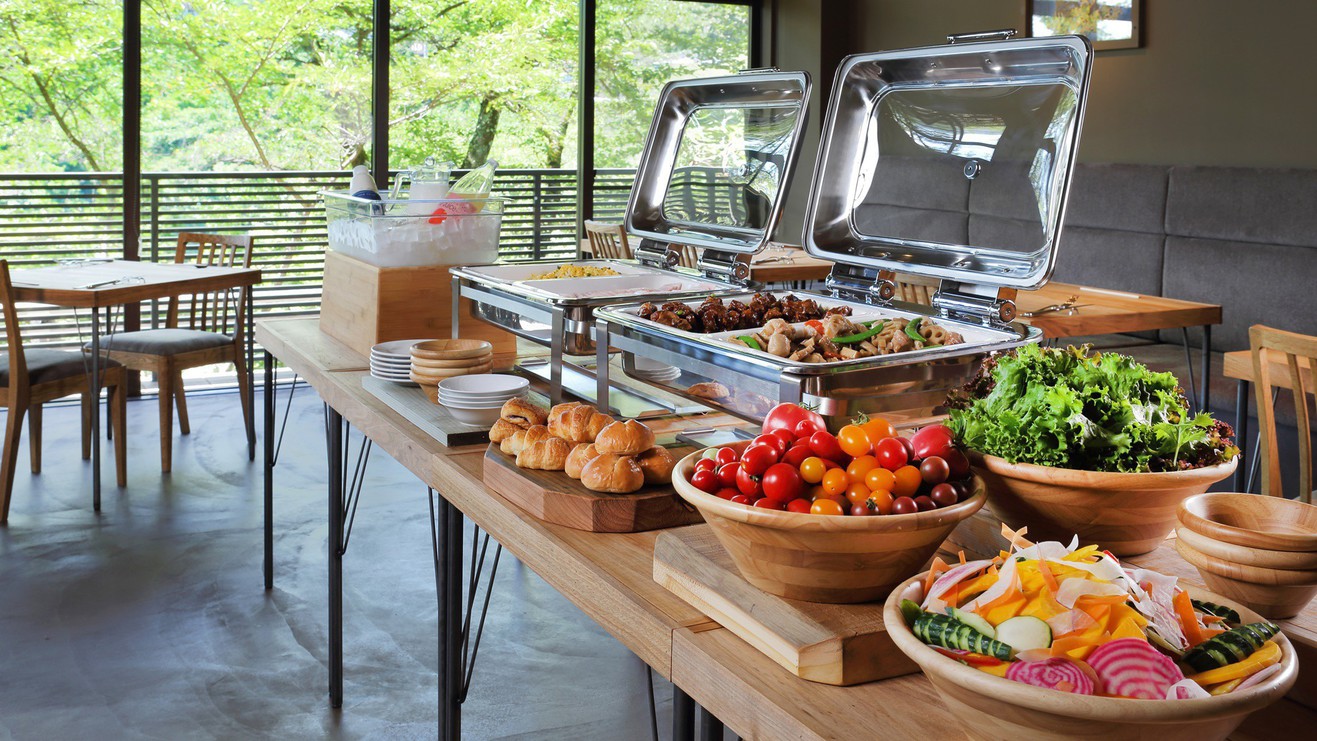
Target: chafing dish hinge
[(984, 304), (724, 266), (654, 254)]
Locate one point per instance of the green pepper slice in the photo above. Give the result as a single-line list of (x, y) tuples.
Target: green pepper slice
[(750, 340), (859, 336), (912, 330)]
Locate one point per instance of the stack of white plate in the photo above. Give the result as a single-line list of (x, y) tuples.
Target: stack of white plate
[(655, 371), (392, 361), (477, 399)]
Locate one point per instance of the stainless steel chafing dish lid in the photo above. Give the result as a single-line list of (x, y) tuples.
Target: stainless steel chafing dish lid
[(718, 160), (950, 162)]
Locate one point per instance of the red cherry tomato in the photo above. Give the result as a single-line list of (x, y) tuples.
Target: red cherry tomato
[(904, 506), (806, 428), (772, 441), (706, 481), (924, 504), (727, 474), (932, 440), (782, 482), (757, 458), (725, 456), (770, 503), (797, 455), (791, 417), (909, 448), (958, 463), (705, 464), (862, 510), (944, 495), (786, 436), (741, 499), (826, 446), (890, 453), (727, 493), (747, 484), (799, 505), (934, 469)]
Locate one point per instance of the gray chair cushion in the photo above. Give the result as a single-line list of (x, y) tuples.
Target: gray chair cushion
[(45, 364), (164, 341)]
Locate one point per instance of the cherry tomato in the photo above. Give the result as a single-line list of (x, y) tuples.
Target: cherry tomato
[(727, 493), (792, 417), (932, 440), (857, 493), (861, 510), (825, 445), (727, 474), (725, 456), (786, 436), (799, 505), (963, 489), (880, 478), (825, 507), (782, 482), (747, 484), (944, 495), (957, 462), (771, 503), (705, 480), (881, 501), (772, 441), (757, 459), (890, 453), (924, 504), (805, 428), (741, 499), (705, 464), (835, 482), (908, 480), (861, 466), (909, 448), (904, 506), (877, 428), (934, 469), (812, 469), (797, 455), (853, 441), (816, 492)]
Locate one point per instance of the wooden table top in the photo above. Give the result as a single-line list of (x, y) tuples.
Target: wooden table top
[(1104, 311), (116, 282)]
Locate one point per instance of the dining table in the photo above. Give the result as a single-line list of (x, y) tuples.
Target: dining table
[(102, 284)]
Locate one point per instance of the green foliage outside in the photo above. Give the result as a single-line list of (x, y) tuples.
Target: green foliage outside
[(232, 85)]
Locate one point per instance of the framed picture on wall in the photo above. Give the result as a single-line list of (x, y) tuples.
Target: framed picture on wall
[(1109, 24)]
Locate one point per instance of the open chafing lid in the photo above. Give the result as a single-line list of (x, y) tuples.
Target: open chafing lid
[(952, 161), (718, 160)]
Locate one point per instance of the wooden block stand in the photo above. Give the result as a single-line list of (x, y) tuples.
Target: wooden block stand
[(363, 305)]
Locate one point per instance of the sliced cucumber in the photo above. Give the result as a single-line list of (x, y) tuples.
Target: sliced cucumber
[(1025, 632), (973, 621)]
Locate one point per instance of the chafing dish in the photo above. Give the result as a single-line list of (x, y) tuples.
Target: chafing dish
[(949, 162), (740, 199)]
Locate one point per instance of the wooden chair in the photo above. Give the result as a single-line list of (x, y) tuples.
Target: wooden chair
[(607, 241), (30, 377), (1271, 347), (201, 329), (915, 289), (688, 256)]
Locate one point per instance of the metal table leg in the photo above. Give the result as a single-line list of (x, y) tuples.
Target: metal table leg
[(557, 327), (250, 370), (95, 421), (683, 715), (268, 564), (711, 729), (337, 515), (1241, 432), (1207, 369), (446, 527)]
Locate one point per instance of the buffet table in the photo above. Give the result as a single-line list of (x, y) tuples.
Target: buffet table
[(610, 578)]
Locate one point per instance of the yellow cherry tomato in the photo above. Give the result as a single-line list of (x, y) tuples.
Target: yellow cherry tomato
[(816, 492), (835, 481), (877, 428), (908, 480), (861, 466), (825, 507), (879, 478), (882, 501), (812, 469), (857, 493), (854, 441)]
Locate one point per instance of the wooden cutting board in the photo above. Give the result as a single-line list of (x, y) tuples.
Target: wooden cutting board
[(829, 644), (555, 497)]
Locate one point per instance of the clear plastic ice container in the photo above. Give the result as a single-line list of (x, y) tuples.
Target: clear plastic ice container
[(389, 233)]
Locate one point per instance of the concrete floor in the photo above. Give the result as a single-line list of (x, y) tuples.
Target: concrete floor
[(149, 621)]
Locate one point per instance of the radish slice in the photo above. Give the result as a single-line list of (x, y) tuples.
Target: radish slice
[(1258, 678), (933, 601), (1129, 667), (1186, 689), (1069, 622), (1053, 674)]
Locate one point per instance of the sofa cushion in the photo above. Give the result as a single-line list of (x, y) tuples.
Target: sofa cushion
[(1106, 258), (1123, 197), (1274, 206)]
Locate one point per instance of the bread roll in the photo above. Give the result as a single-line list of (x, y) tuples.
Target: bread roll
[(578, 424), (615, 474), (503, 429), (656, 464), (625, 438), (522, 412), (580, 455), (548, 454), (522, 439)]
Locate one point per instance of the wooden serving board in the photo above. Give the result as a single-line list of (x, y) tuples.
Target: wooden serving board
[(555, 497), (829, 644), (412, 403)]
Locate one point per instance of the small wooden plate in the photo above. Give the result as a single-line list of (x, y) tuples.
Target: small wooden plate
[(1252, 520), (1267, 559), (419, 362), (458, 349), (422, 375)]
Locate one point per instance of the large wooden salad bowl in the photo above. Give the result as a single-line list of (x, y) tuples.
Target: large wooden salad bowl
[(824, 558), (990, 707), (1127, 513)]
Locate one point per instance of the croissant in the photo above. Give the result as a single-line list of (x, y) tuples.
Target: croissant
[(615, 474), (522, 439), (523, 412), (503, 430), (578, 424), (580, 455), (549, 454), (656, 464), (625, 438)]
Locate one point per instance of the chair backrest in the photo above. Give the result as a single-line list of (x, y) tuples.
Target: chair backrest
[(687, 256), (1291, 352), (607, 241), (916, 289), (217, 311), (17, 363)]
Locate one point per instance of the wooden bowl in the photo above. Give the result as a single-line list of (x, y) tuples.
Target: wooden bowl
[(419, 362), (1273, 592), (1252, 520), (458, 349), (428, 375), (1267, 559), (431, 391), (989, 707), (824, 558), (1126, 513)]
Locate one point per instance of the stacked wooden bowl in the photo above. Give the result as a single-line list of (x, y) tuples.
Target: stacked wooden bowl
[(436, 360), (1259, 550)]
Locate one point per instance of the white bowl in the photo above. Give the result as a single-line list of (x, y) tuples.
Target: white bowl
[(479, 417), (395, 348), (469, 404), (500, 396), (485, 384)]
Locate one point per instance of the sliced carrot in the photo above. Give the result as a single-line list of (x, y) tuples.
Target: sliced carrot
[(939, 567), (1184, 610), (1048, 578), (962, 557)]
